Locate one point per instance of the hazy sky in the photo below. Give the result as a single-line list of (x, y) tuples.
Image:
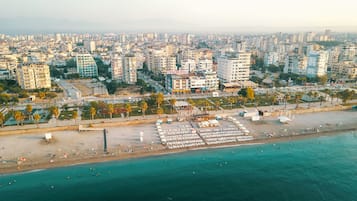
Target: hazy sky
[(177, 15)]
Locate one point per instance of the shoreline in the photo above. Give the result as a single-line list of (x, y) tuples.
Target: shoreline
[(102, 158)]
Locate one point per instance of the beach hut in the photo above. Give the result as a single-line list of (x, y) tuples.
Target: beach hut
[(141, 136), (48, 137)]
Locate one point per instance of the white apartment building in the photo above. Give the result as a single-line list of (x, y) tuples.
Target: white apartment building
[(197, 83), (89, 45), (317, 64), (212, 81), (86, 66), (188, 65), (177, 83), (205, 65), (158, 62), (34, 76), (296, 64), (234, 68), (271, 58), (129, 69), (9, 63), (117, 67)]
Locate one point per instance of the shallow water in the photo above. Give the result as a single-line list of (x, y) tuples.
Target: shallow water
[(324, 168)]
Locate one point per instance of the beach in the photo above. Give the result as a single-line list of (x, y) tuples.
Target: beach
[(23, 152)]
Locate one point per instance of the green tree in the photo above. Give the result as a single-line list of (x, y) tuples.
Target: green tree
[(231, 100), (332, 95), (274, 99), (321, 99), (250, 93), (2, 119), (159, 99), (172, 103), (92, 112), (346, 95), (298, 97), (128, 109), (19, 117), (28, 110), (36, 118), (217, 104), (322, 79), (55, 111), (75, 115), (286, 98), (144, 107), (160, 111), (41, 95), (110, 110)]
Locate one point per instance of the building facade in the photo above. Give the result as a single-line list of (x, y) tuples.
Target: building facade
[(129, 69), (296, 64), (177, 83), (34, 76), (317, 64), (117, 67), (234, 68), (86, 66)]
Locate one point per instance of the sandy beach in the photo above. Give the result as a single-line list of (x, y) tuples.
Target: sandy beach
[(23, 152)]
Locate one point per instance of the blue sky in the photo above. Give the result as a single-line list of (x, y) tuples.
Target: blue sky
[(177, 15)]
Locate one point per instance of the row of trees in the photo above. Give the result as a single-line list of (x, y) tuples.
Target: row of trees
[(154, 102)]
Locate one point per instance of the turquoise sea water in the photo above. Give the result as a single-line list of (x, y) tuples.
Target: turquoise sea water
[(324, 168)]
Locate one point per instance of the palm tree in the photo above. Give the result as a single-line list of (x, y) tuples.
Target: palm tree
[(321, 98), (29, 111), (332, 95), (128, 109), (217, 104), (274, 99), (110, 110), (206, 104), (172, 103), (2, 119), (159, 99), (231, 101), (297, 99), (36, 118), (144, 107), (55, 111), (160, 111), (92, 112), (192, 104), (287, 98), (75, 115), (19, 117)]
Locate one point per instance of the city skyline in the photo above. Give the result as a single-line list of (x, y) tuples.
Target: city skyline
[(176, 16)]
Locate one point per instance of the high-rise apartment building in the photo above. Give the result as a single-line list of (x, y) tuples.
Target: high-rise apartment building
[(234, 68), (34, 76), (295, 63), (271, 58), (129, 69), (158, 62), (117, 67), (89, 45), (86, 66), (317, 64)]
